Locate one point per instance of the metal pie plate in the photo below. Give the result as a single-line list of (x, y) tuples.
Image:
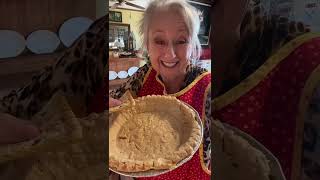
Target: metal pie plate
[(151, 173)]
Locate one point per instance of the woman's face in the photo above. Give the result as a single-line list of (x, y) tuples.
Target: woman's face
[(168, 45)]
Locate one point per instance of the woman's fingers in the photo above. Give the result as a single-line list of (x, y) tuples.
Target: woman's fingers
[(14, 130), (114, 102)]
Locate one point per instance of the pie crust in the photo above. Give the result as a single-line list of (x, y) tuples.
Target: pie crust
[(67, 148), (58, 125), (154, 132), (235, 157)]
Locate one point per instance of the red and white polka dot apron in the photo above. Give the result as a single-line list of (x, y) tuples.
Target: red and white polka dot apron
[(269, 104), (195, 95)]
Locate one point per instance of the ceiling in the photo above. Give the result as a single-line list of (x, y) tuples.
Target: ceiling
[(142, 3)]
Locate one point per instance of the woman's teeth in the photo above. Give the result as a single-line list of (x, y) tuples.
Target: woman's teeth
[(169, 64)]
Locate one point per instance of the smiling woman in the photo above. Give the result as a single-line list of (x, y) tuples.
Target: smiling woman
[(169, 29)]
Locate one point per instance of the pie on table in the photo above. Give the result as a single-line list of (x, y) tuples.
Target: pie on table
[(152, 132)]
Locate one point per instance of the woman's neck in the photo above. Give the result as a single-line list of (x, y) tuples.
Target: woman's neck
[(173, 85), (172, 88)]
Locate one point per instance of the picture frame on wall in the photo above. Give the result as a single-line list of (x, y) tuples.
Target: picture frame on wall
[(115, 16), (203, 11), (119, 32)]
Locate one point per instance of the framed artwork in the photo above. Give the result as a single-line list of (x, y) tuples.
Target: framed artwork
[(119, 32), (115, 16), (203, 11)]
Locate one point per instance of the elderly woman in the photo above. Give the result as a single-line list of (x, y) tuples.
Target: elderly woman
[(169, 29), (267, 69)]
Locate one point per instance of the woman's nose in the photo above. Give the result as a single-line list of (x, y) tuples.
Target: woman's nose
[(170, 51)]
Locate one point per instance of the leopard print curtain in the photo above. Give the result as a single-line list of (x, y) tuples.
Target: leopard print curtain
[(263, 33), (78, 73)]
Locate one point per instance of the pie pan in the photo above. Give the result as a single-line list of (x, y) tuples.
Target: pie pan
[(171, 133), (239, 156)]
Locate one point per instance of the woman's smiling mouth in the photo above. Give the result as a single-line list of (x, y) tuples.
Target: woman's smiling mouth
[(169, 64)]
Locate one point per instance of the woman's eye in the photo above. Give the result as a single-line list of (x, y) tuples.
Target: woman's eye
[(160, 42), (181, 42)]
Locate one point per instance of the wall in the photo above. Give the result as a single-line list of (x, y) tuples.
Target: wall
[(26, 16), (101, 8), (132, 18), (308, 12)]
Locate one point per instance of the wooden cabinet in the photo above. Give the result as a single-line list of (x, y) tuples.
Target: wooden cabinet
[(121, 64)]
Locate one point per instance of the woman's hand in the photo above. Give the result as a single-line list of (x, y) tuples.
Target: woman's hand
[(114, 102), (14, 130)]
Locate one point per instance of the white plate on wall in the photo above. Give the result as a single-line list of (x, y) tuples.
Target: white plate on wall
[(122, 74), (132, 70), (11, 44), (42, 42), (112, 75), (72, 29)]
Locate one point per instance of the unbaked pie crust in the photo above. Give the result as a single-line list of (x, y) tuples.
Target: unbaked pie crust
[(153, 132)]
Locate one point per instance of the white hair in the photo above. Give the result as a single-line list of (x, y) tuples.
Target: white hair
[(189, 15)]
